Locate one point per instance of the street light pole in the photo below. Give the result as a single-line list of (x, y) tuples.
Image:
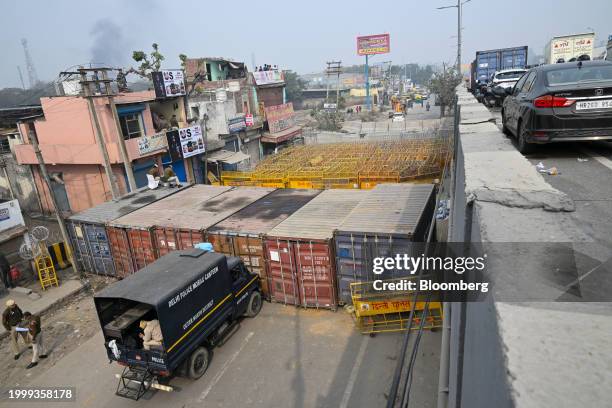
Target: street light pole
[(459, 37)]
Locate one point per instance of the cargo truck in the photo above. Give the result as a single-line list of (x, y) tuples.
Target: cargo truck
[(197, 298), (564, 48), (491, 61)]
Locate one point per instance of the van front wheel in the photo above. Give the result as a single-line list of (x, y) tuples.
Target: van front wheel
[(198, 363), (255, 304)]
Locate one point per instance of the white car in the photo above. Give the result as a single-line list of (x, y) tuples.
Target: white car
[(397, 117), (507, 78)]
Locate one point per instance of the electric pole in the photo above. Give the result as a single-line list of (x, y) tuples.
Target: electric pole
[(334, 68), (127, 164), (97, 84), (60, 220)]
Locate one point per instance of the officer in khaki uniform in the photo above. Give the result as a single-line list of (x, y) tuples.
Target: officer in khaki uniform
[(11, 317), (36, 338)]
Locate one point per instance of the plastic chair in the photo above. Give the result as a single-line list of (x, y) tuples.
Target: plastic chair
[(152, 182)]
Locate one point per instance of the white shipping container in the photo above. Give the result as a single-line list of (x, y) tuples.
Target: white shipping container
[(568, 47)]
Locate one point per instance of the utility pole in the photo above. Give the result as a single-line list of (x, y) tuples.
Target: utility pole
[(367, 81), (334, 68), (127, 164), (45, 175), (89, 95)]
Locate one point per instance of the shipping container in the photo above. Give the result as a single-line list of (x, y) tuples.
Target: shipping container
[(131, 237), (186, 226), (242, 234), (393, 219), (300, 250), (88, 233), (490, 61)]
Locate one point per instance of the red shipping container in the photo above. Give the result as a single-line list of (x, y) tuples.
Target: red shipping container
[(300, 250), (133, 243)]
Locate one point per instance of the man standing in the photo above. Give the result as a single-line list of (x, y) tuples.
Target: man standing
[(5, 271), (35, 337), (11, 318)]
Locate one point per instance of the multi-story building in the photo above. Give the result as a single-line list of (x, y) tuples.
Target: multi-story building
[(66, 134)]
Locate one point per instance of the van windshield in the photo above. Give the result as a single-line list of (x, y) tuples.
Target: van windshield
[(575, 75)]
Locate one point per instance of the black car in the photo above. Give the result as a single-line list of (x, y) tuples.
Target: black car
[(560, 102)]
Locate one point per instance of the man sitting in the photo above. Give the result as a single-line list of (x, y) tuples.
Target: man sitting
[(168, 176), (152, 335)]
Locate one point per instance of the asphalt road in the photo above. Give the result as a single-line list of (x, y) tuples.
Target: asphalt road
[(285, 357), (585, 171)]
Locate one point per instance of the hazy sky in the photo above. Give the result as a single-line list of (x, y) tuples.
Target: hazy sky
[(294, 35)]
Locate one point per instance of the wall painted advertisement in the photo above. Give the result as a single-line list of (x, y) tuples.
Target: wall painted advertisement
[(168, 83), (192, 142), (280, 117), (268, 77), (373, 44)]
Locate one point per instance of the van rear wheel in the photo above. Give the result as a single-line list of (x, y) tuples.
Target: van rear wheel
[(255, 304), (198, 363)]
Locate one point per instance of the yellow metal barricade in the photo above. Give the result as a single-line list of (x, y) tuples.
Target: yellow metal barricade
[(385, 311)]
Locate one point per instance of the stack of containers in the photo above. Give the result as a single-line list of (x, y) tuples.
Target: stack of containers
[(300, 250), (242, 234), (389, 221), (131, 236), (88, 233)]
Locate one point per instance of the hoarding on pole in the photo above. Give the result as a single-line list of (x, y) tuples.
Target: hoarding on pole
[(373, 44)]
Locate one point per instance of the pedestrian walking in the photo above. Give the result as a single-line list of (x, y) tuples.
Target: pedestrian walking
[(5, 271), (11, 317), (36, 338)]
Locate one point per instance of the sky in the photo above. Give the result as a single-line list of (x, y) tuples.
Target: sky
[(298, 36)]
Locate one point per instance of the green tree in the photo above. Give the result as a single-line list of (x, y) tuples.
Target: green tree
[(148, 63), (294, 86), (443, 84)]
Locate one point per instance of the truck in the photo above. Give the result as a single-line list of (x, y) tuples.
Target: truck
[(490, 61), (565, 47), (198, 299)]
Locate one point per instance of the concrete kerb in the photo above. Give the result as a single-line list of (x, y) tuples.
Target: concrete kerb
[(56, 303)]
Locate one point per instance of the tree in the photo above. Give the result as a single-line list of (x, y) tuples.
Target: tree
[(148, 63), (294, 86), (443, 84)]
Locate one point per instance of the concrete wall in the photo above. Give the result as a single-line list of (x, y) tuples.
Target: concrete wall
[(509, 354), (86, 185), (19, 178)]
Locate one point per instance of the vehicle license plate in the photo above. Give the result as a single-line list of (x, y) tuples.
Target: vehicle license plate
[(601, 104)]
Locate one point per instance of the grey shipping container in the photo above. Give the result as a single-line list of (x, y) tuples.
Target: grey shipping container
[(87, 228), (391, 220)]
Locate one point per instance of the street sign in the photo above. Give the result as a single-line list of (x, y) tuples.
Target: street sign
[(373, 44)]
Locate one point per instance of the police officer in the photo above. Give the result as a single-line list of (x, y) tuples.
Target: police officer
[(11, 318), (35, 337)]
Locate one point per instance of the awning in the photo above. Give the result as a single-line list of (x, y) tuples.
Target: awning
[(228, 157), (281, 136)]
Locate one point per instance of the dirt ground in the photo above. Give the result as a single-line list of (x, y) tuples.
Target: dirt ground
[(64, 327)]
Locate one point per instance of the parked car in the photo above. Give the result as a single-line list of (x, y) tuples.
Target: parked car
[(496, 89), (560, 102)]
